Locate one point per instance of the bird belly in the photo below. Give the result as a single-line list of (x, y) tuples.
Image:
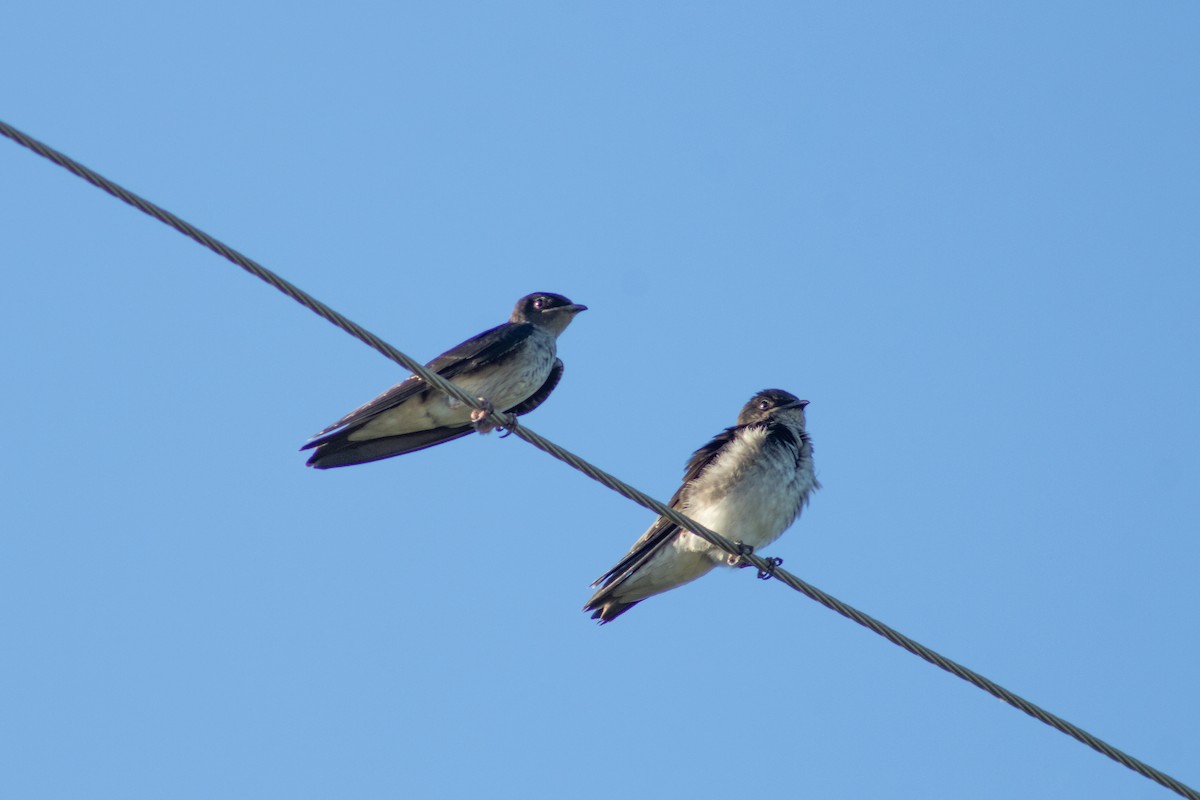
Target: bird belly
[(752, 517), (751, 500)]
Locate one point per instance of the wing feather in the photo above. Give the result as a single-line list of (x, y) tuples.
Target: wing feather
[(344, 453)]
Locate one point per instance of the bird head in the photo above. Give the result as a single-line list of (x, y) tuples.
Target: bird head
[(769, 404), (548, 310)]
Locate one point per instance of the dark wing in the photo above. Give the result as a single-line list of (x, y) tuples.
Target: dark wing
[(663, 530), (537, 398), (704, 456), (474, 352), (340, 451)]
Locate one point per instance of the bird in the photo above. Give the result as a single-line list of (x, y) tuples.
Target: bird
[(749, 483), (512, 367)]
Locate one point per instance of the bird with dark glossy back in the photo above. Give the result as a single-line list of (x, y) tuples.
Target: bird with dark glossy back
[(748, 484), (514, 367)]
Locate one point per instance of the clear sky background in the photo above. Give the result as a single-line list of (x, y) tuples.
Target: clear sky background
[(969, 234)]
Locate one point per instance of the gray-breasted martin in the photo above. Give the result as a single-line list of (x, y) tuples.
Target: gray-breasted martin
[(513, 366), (748, 484)]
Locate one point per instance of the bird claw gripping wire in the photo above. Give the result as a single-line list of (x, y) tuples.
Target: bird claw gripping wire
[(509, 427), (769, 572), (479, 417)]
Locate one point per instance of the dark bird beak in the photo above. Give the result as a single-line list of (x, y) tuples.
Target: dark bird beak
[(572, 309)]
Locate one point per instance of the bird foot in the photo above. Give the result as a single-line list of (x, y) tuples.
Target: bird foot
[(510, 427), (738, 561), (769, 572), (479, 417)]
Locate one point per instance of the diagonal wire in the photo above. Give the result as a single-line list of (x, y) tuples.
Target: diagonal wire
[(620, 487)]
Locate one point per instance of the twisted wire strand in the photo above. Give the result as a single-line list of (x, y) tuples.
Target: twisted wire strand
[(595, 473)]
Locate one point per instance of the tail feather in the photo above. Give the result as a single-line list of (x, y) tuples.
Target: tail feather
[(605, 607)]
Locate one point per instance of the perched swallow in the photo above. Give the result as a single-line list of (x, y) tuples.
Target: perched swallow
[(748, 484), (513, 366)]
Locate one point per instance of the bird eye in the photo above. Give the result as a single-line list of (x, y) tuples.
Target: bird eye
[(763, 405), (539, 303)]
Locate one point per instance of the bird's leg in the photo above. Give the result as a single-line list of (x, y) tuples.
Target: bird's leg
[(479, 417), (743, 550)]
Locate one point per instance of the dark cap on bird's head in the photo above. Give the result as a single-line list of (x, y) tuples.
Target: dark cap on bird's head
[(547, 310), (768, 403)]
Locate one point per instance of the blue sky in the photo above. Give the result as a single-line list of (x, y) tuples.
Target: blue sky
[(967, 233)]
